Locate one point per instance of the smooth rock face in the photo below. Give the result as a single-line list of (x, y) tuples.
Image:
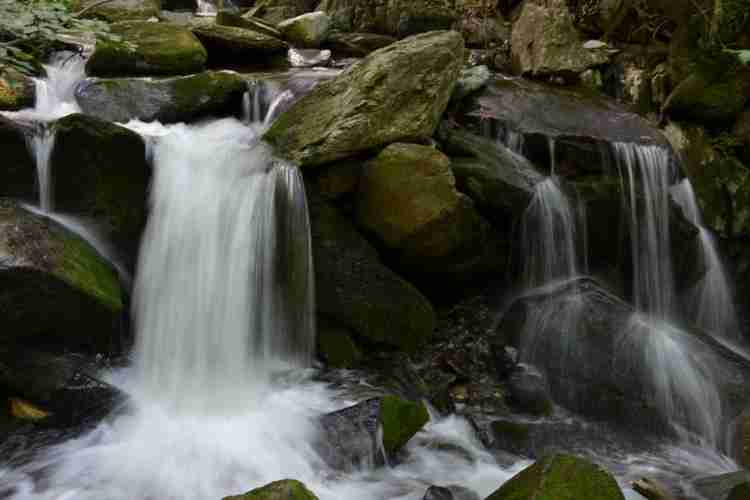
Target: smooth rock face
[(18, 174), (560, 477), (120, 10), (55, 289), (287, 489), (100, 171), (546, 42), (229, 41), (160, 49), (169, 100), (395, 94), (306, 31), (356, 290)]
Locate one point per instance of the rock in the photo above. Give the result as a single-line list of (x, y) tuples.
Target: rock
[(340, 178), (100, 171), (513, 437), (407, 198), (741, 443), (226, 42), (399, 18), (18, 176), (483, 28), (306, 31), (740, 492), (119, 10), (471, 80), (336, 346), (699, 99), (168, 100), (227, 18), (452, 492), (350, 437), (560, 476), (155, 49), (357, 44), (307, 58), (545, 42), (57, 290), (528, 391), (719, 487), (276, 11), (373, 103), (651, 489), (287, 489), (356, 290), (17, 90), (601, 17), (741, 130)]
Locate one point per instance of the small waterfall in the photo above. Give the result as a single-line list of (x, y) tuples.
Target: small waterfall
[(205, 8), (41, 144), (710, 302), (263, 102), (647, 173)]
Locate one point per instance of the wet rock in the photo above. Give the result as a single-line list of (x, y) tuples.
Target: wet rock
[(226, 42), (452, 492), (340, 178), (699, 99), (545, 42), (336, 346), (719, 487), (307, 58), (357, 44), (560, 476), (17, 90), (56, 290), (287, 489), (168, 100), (740, 492), (471, 80), (227, 18), (356, 290), (513, 437), (100, 171), (528, 391), (407, 197), (276, 11), (119, 10), (18, 176), (331, 122), (306, 31), (149, 49), (399, 18), (651, 489)]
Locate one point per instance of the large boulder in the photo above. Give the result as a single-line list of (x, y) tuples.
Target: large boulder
[(276, 11), (562, 477), (408, 199), (397, 93), (56, 289), (287, 489), (16, 89), (100, 171), (148, 49), (119, 10), (356, 290), (546, 42), (308, 30), (18, 173), (168, 100), (226, 42)]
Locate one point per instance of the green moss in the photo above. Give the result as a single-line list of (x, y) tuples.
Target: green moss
[(401, 420), (287, 489), (560, 477), (337, 348), (204, 87)]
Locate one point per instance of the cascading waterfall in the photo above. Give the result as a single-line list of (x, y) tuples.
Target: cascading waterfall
[(711, 301)]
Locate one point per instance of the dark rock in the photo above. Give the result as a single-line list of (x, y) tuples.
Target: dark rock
[(225, 43), (452, 492), (698, 98), (513, 437), (179, 99), (506, 358), (740, 492), (18, 176), (719, 487), (396, 17), (528, 391), (336, 346)]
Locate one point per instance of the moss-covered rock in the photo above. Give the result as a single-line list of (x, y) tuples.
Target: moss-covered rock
[(513, 437), (16, 89), (226, 42), (119, 10), (400, 419), (168, 100), (54, 288), (18, 172), (699, 99), (147, 49), (397, 93), (560, 477), (356, 290), (100, 171), (399, 18), (276, 11), (308, 30), (286, 489), (228, 18), (336, 346)]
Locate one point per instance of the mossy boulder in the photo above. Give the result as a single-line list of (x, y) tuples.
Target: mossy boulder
[(286, 489), (397, 93), (560, 477), (401, 419), (18, 171), (226, 42), (100, 171), (356, 290), (168, 100), (408, 199), (335, 345), (147, 48), (119, 10), (55, 289), (229, 18), (308, 30), (17, 90), (699, 99), (546, 42), (276, 11), (399, 18)]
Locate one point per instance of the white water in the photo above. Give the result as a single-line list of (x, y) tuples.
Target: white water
[(711, 301)]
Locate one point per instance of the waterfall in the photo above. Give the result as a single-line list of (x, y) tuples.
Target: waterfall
[(710, 302), (263, 102), (648, 172)]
